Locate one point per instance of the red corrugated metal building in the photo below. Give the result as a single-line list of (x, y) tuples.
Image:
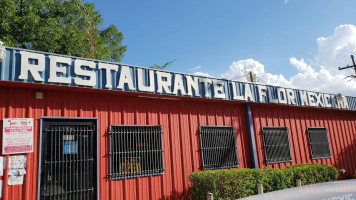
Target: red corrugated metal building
[(180, 116)]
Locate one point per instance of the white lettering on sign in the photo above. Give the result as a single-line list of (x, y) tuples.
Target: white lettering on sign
[(281, 94), (54, 69), (192, 84), (150, 86), (34, 69), (108, 68), (102, 75), (178, 85), (319, 99), (262, 92), (270, 97), (333, 101), (303, 98), (87, 78), (234, 92), (311, 98), (219, 89), (125, 78), (206, 82), (164, 82), (248, 93), (342, 103), (290, 97), (327, 100)]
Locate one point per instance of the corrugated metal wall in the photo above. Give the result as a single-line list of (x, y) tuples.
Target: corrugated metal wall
[(341, 126), (180, 120)]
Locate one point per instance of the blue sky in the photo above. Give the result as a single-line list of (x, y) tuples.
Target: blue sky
[(211, 34)]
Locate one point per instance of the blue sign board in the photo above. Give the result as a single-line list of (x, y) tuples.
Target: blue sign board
[(45, 68), (70, 147)]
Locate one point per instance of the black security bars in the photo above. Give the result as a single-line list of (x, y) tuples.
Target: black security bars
[(277, 145), (218, 145), (135, 151), (319, 142), (68, 164)]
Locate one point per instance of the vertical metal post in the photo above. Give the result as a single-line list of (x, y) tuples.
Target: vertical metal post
[(146, 151), (55, 132), (353, 63), (260, 188), (251, 136), (153, 150), (62, 162), (88, 161), (213, 150), (134, 133), (210, 196), (298, 182), (69, 148), (149, 135), (124, 137), (352, 66), (162, 150), (51, 163)]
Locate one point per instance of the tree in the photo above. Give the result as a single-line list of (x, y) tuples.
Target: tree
[(163, 66), (69, 27)]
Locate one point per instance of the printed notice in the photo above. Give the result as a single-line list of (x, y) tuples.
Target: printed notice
[(17, 165), (17, 135)]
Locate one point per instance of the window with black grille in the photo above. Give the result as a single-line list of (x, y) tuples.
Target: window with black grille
[(218, 144), (319, 142), (277, 146), (136, 151)]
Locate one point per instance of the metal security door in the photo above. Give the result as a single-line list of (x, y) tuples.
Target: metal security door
[(68, 163)]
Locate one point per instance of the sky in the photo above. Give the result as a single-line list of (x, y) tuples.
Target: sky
[(291, 43)]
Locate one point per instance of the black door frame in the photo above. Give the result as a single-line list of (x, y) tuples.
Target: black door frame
[(96, 122)]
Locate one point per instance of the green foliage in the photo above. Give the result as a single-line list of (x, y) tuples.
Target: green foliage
[(314, 173), (69, 27), (239, 183), (163, 66)]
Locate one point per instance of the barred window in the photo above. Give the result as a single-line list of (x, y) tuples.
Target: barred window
[(218, 145), (135, 151), (277, 145), (319, 142)]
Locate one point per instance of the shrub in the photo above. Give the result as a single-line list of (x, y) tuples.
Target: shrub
[(239, 183)]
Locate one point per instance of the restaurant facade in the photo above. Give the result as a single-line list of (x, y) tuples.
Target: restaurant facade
[(75, 128)]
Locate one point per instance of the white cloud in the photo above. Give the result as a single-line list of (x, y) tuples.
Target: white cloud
[(200, 73), (195, 68), (286, 1), (319, 74), (335, 50), (324, 75), (239, 69)]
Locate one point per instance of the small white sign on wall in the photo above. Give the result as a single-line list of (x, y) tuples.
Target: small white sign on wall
[(17, 169), (17, 135)]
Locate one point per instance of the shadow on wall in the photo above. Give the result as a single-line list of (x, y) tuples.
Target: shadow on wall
[(346, 161), (177, 195)]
